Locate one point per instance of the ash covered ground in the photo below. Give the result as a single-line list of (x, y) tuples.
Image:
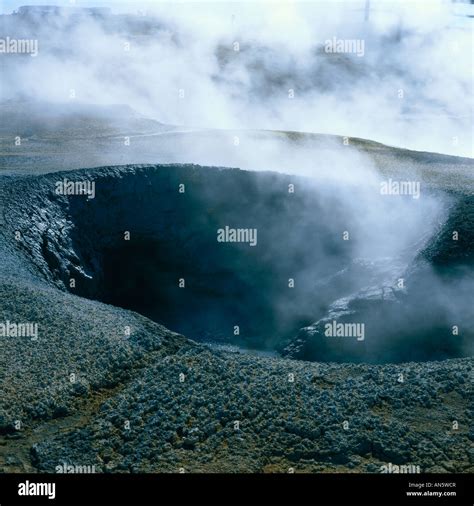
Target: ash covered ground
[(146, 399), (132, 371)]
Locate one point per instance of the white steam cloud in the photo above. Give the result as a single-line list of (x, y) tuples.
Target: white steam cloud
[(261, 65)]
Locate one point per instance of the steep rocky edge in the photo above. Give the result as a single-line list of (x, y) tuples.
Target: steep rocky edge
[(87, 393), (299, 271)]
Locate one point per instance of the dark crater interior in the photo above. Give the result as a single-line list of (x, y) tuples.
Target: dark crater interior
[(173, 237), (173, 240)]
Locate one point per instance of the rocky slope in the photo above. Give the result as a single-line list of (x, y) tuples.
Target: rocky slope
[(106, 386)]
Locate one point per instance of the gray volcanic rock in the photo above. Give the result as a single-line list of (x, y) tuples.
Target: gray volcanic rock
[(330, 418), (81, 239), (106, 386), (431, 295)]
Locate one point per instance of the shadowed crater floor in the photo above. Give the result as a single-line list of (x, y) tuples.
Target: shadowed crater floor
[(148, 241), (108, 387)]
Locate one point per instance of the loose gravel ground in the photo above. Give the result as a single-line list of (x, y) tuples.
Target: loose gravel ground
[(89, 392)]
